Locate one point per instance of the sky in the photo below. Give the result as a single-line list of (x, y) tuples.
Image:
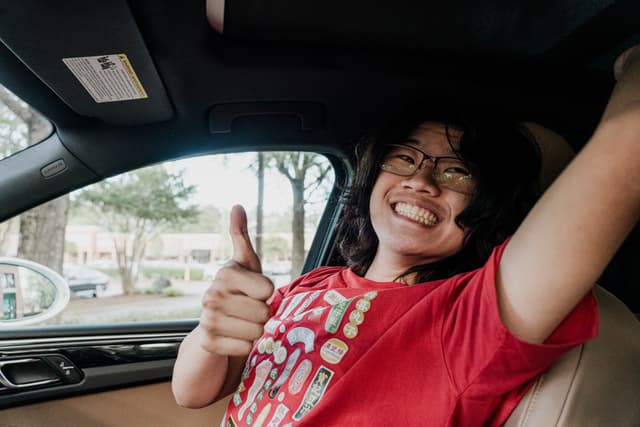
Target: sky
[(223, 181)]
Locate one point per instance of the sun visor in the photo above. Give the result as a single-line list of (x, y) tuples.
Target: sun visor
[(91, 54)]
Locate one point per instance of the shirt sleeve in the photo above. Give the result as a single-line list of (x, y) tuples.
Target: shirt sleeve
[(483, 357)]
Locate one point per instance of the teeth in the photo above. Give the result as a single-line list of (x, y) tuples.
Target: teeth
[(416, 214)]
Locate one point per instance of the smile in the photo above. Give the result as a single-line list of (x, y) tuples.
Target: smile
[(416, 213)]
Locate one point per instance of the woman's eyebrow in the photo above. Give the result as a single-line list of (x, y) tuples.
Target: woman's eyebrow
[(416, 143)]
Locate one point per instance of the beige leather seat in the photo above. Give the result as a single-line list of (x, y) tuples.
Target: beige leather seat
[(594, 384), (598, 382)]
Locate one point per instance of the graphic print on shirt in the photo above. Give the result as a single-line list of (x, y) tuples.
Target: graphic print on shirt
[(295, 362), (314, 392)]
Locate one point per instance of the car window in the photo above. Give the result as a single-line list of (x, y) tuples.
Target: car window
[(145, 245), (20, 125)]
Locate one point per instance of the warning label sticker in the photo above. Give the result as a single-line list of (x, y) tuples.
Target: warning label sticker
[(107, 78)]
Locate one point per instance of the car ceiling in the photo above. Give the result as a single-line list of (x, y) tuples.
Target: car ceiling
[(358, 60), (342, 66)]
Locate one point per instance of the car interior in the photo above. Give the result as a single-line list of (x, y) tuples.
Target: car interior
[(216, 77)]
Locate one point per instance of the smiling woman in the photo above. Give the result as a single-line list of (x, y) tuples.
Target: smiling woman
[(440, 293), (126, 96), (481, 217)]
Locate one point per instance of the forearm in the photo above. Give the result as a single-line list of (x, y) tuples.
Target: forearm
[(198, 375)]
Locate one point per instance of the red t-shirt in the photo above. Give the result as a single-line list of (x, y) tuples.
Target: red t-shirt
[(341, 350)]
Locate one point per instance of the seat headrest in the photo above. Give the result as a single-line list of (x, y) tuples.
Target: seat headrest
[(556, 153)]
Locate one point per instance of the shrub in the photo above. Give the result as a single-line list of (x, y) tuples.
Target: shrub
[(172, 292), (171, 273)]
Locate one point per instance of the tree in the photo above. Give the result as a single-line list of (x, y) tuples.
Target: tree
[(260, 206), (136, 208), (210, 220), (42, 231), (305, 172), (42, 228)]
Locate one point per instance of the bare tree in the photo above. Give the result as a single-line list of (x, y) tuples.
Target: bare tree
[(305, 172), (260, 206)]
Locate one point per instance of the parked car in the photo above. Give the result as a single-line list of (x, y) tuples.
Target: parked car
[(84, 280), (125, 85)]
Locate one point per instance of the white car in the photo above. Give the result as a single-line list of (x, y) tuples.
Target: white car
[(85, 280)]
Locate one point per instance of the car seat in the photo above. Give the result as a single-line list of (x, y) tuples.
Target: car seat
[(596, 383)]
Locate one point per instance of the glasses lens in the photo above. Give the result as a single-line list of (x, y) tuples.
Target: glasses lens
[(400, 160), (453, 174)]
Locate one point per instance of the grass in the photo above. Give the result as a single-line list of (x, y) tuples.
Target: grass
[(172, 292), (132, 318), (149, 317), (153, 272)]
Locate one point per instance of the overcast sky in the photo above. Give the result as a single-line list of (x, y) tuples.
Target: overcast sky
[(223, 181)]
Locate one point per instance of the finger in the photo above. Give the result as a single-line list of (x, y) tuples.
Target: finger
[(219, 324), (246, 308), (234, 279), (237, 304), (243, 252), (226, 346)]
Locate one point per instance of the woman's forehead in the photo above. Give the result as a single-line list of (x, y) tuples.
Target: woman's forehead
[(435, 135)]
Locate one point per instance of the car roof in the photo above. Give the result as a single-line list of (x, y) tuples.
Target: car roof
[(353, 62), (292, 74)]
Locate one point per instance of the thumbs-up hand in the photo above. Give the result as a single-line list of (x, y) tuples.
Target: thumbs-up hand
[(234, 308)]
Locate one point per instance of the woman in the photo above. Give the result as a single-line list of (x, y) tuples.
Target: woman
[(361, 346)]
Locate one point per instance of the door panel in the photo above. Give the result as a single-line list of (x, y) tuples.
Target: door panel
[(148, 405), (120, 376), (35, 369)]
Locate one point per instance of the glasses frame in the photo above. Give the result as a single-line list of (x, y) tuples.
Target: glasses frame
[(421, 165)]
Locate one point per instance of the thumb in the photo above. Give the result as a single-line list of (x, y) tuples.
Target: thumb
[(243, 252)]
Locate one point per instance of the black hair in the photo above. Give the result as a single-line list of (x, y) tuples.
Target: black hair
[(502, 156)]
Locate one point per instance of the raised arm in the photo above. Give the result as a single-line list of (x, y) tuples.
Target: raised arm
[(574, 230), (211, 358)]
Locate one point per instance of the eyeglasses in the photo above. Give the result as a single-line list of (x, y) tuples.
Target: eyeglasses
[(448, 172)]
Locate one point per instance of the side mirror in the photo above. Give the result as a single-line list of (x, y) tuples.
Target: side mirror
[(29, 292)]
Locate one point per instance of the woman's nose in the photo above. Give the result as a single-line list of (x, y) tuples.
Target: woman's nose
[(423, 180)]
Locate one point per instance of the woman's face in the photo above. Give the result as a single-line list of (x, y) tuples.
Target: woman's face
[(413, 217)]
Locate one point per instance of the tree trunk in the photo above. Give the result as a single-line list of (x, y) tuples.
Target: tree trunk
[(128, 284), (6, 229), (124, 265), (297, 228), (42, 232), (260, 207)]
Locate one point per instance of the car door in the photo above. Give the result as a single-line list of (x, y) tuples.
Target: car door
[(107, 358)]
